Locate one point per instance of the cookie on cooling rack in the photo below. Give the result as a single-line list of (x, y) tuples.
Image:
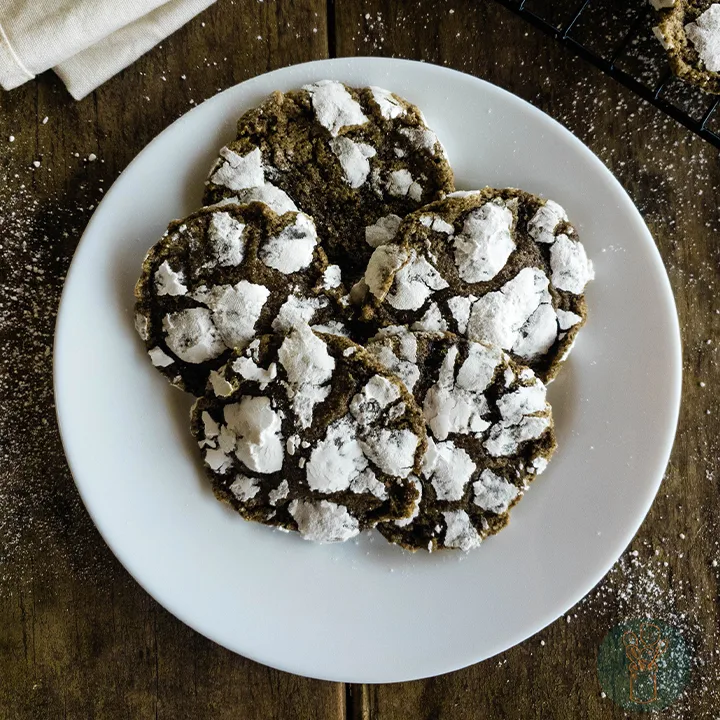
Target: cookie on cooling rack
[(307, 432), (222, 276), (490, 432), (689, 30), (355, 159), (502, 267)]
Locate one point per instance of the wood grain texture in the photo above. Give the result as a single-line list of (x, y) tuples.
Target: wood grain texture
[(673, 177), (78, 638)]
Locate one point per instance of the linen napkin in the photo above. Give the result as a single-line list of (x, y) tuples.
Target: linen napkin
[(84, 41)]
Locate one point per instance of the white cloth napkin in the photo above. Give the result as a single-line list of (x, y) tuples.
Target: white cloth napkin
[(84, 41)]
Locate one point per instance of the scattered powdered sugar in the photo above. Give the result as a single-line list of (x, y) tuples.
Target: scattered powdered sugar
[(323, 522), (244, 488), (192, 336), (393, 451), (309, 367), (414, 283), (257, 431), (354, 159), (704, 34), (225, 234), (334, 107), (238, 172), (169, 282), (383, 230), (504, 439), (293, 248), (571, 269), (485, 243), (460, 532), (235, 310), (452, 406), (390, 107), (493, 493), (541, 227), (448, 468)]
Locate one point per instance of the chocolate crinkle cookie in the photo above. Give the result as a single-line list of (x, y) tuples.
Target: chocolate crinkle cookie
[(356, 159), (502, 267), (224, 275), (689, 30), (306, 431), (490, 432)]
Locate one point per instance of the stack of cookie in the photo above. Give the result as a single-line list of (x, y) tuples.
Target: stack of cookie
[(368, 346)]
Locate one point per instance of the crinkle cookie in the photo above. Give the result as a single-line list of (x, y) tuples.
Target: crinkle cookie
[(308, 432), (222, 276), (689, 30), (355, 159), (501, 267), (490, 432)]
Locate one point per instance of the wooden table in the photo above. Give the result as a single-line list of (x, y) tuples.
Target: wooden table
[(78, 637)]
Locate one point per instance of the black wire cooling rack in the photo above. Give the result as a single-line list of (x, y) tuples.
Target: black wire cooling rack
[(617, 37)]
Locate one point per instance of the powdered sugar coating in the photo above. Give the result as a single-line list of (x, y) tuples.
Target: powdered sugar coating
[(383, 264), (225, 234), (367, 405), (169, 282), (383, 230), (485, 243), (571, 269), (392, 450), (541, 226), (159, 358), (414, 283), (237, 172), (493, 493), (244, 488), (324, 522), (235, 310), (453, 408), (401, 183), (448, 468), (460, 532), (275, 198), (297, 310), (192, 335), (390, 107), (507, 317), (436, 223), (354, 159), (309, 368), (431, 321), (704, 34), (332, 277), (291, 250), (256, 428), (338, 460), (334, 107)]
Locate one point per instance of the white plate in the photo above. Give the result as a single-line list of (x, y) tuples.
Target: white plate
[(366, 611)]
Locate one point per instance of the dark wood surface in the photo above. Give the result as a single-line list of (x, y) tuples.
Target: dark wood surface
[(78, 637)]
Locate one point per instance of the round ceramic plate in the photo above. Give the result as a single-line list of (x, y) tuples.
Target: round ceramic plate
[(366, 611)]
